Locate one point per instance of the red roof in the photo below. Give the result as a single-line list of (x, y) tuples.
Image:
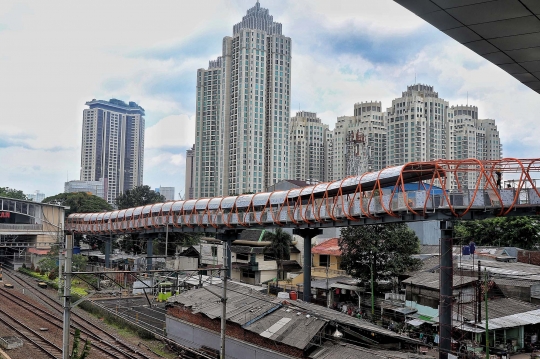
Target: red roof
[(38, 251), (329, 247)]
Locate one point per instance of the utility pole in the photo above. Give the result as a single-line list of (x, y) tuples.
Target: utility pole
[(67, 297), (372, 292), (487, 330), (166, 241), (224, 301), (479, 296)]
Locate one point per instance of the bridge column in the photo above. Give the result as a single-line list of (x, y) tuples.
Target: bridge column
[(228, 237), (446, 279), (108, 244), (307, 234), (149, 252)]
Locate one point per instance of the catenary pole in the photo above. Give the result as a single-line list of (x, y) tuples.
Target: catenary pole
[(67, 297)]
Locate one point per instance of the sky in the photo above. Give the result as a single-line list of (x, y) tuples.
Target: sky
[(56, 55)]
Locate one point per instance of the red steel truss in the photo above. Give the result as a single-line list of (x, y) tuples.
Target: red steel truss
[(453, 186)]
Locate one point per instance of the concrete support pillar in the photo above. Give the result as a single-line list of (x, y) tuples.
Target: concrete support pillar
[(307, 234), (108, 245), (228, 237), (149, 252), (446, 279)]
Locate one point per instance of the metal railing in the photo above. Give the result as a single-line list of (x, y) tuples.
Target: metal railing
[(20, 227)]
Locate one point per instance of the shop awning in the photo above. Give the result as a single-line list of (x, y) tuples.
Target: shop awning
[(347, 286), (415, 322)]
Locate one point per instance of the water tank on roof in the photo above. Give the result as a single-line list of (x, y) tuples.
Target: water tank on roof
[(472, 247)]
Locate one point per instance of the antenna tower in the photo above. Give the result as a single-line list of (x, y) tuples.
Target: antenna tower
[(358, 153)]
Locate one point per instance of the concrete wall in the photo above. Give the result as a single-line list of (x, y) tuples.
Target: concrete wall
[(427, 231), (194, 336), (529, 257)]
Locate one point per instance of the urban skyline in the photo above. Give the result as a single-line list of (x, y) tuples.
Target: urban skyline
[(360, 52)]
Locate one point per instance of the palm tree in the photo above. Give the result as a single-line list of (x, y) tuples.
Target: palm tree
[(280, 246)]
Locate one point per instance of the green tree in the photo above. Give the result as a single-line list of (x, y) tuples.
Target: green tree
[(12, 193), (76, 342), (78, 262), (280, 247), (522, 232), (385, 248), (138, 196), (79, 202), (50, 261)]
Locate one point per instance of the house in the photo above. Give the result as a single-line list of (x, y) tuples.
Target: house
[(253, 263), (327, 259), (262, 326)]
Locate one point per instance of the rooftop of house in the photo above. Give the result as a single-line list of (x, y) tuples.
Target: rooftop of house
[(271, 317), (432, 280), (328, 247), (251, 235), (347, 351)]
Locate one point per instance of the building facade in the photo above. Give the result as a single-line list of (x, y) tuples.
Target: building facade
[(249, 137), (308, 148), (417, 126), (97, 188), (113, 145), (207, 132), (471, 137), (167, 192)]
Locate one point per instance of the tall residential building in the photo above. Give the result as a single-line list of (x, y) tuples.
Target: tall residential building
[(97, 188), (207, 132), (37, 196), (369, 120), (251, 114), (359, 141), (307, 148), (329, 151), (417, 126), (167, 192), (113, 145), (471, 137), (190, 174)]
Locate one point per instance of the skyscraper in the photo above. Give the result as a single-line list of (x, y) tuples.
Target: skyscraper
[(308, 148), (113, 145), (471, 137), (207, 145), (252, 113), (417, 126)]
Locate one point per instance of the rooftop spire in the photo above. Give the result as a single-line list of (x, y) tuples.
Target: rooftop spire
[(258, 18)]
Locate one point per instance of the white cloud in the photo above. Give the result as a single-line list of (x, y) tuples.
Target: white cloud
[(171, 131), (51, 64)]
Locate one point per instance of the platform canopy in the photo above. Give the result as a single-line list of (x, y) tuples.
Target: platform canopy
[(505, 32)]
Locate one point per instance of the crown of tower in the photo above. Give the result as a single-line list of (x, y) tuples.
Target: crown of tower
[(258, 18)]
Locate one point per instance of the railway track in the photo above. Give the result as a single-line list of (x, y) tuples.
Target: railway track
[(47, 348), (101, 340)]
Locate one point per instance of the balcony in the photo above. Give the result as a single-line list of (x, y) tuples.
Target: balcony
[(321, 272)]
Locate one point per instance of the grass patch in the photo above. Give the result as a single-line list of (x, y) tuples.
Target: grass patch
[(75, 290)]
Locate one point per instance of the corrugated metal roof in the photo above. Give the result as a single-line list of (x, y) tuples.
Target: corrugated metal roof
[(288, 327), (346, 351), (431, 280)]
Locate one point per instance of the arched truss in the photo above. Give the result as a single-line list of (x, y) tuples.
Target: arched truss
[(372, 195)]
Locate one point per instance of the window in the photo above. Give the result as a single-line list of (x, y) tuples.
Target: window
[(214, 251), (242, 256), (324, 260)]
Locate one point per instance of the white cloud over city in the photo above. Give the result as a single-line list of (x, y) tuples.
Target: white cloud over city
[(55, 56)]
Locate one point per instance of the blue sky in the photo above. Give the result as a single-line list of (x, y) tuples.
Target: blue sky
[(58, 55)]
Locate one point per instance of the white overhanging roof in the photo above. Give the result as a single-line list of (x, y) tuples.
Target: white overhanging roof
[(504, 32)]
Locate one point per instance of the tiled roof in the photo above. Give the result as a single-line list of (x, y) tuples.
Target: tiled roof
[(251, 234), (431, 280), (329, 247)]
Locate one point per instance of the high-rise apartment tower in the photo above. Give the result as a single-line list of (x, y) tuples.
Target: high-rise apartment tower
[(308, 148), (253, 86), (417, 126), (113, 145)]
